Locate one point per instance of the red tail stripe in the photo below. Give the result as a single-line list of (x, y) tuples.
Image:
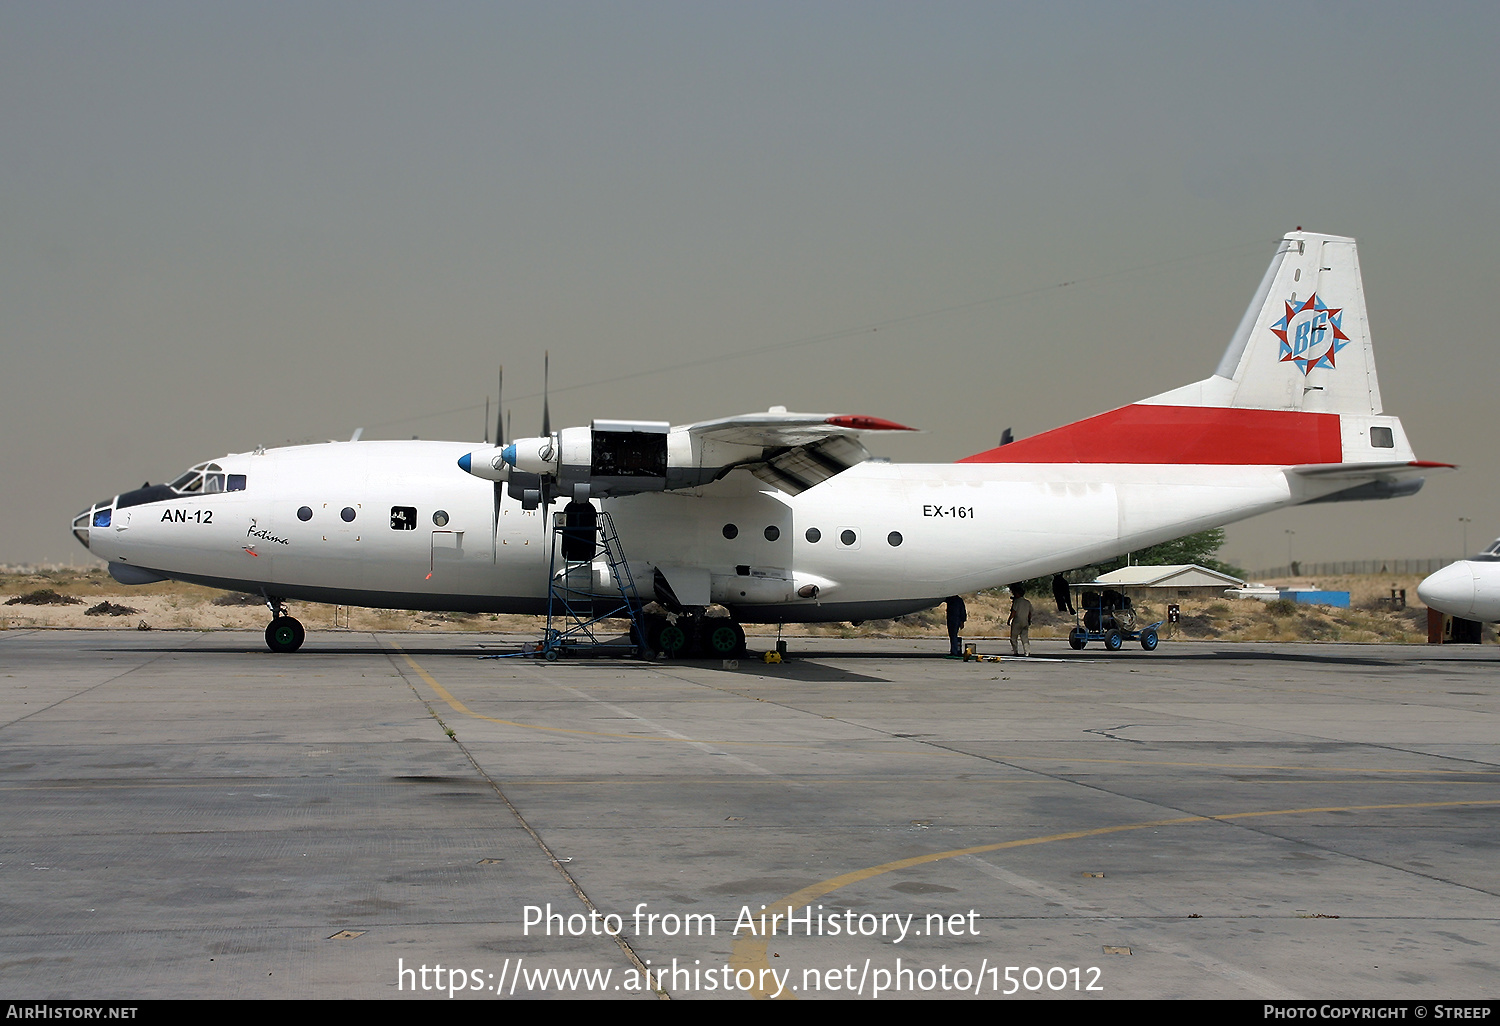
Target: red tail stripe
[(1182, 434)]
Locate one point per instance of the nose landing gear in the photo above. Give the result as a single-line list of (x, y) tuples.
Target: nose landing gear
[(285, 633)]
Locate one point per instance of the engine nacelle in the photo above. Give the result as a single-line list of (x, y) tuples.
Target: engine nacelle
[(610, 457)]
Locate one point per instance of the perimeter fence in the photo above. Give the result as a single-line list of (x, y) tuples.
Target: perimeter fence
[(1357, 566)]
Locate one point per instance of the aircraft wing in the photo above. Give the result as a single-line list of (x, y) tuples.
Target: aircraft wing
[(780, 429), (792, 451)]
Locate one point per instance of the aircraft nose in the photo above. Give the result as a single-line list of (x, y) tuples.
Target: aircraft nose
[(1450, 590)]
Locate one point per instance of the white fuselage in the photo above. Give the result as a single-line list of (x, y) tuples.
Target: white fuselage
[(1469, 589), (890, 538)]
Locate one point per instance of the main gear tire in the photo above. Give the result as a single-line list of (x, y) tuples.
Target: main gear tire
[(723, 638), (670, 640)]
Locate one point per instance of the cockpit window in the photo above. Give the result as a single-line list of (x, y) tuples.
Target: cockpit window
[(208, 479)]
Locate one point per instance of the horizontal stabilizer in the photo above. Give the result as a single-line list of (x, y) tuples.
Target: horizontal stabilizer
[(1391, 480), (1360, 471)]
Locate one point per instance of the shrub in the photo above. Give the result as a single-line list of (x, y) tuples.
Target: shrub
[(44, 597)]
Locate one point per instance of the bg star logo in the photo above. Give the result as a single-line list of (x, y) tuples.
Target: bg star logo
[(1311, 334)]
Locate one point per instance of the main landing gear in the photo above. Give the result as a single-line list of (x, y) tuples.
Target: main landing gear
[(688, 635), (285, 633)]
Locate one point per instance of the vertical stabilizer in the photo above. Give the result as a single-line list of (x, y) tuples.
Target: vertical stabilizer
[(1304, 342), (1296, 387)]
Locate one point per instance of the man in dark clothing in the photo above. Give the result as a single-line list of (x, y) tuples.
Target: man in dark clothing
[(1062, 594), (958, 615)]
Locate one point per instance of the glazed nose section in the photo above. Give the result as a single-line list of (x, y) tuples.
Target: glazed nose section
[(100, 514), (1450, 590), (81, 524)]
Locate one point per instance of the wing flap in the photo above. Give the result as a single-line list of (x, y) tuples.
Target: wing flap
[(796, 470), (791, 451)]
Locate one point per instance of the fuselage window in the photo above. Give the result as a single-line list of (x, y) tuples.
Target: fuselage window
[(731, 532), (814, 535), (773, 532), (848, 537), (403, 518), (348, 514), (440, 518), (1382, 438), (894, 538), (236, 482), (305, 513)]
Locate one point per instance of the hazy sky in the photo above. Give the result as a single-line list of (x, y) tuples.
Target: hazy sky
[(223, 225)]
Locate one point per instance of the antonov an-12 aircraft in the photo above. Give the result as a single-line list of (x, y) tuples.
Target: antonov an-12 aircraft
[(784, 517)]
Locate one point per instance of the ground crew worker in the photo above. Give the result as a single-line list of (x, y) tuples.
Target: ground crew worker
[(958, 615), (1062, 594), (1020, 621)]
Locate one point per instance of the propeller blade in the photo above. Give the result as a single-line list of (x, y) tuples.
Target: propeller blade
[(546, 507), (546, 415), (499, 405), (495, 521), (486, 420)]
